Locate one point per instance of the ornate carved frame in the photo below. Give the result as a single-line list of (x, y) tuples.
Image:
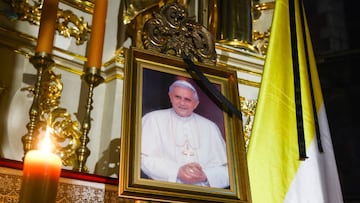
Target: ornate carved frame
[(131, 184)]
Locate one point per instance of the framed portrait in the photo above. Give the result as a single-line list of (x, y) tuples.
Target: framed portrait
[(178, 143)]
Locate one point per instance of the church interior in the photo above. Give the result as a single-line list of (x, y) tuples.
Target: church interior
[(77, 86)]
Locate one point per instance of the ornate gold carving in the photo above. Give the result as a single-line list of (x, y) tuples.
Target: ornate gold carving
[(261, 41), (68, 24), (26, 11), (46, 111), (66, 134), (171, 31), (248, 109), (137, 12)]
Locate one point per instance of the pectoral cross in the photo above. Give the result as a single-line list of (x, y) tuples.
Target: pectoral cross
[(188, 152)]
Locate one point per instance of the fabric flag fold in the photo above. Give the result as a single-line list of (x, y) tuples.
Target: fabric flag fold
[(276, 172)]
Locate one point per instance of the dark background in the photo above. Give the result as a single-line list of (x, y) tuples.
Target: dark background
[(333, 25)]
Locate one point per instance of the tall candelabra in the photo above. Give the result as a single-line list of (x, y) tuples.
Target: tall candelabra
[(93, 78), (45, 108), (42, 62)]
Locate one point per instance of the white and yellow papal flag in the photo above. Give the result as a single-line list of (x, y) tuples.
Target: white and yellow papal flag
[(290, 105)]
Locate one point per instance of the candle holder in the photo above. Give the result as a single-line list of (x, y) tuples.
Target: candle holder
[(46, 111), (93, 78), (42, 62)]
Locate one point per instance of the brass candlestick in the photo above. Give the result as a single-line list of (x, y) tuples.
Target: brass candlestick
[(42, 62), (46, 111), (92, 78)]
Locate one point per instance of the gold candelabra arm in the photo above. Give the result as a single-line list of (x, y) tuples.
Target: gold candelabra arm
[(93, 78)]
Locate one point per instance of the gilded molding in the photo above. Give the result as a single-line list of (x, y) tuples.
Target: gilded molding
[(19, 43), (83, 5), (242, 52), (249, 83), (24, 44)]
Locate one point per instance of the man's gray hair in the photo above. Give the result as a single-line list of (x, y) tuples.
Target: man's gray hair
[(185, 84)]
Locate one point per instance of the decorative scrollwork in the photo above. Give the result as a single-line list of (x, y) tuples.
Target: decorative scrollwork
[(66, 134), (26, 11), (71, 25), (248, 109), (261, 41), (68, 24), (172, 32)]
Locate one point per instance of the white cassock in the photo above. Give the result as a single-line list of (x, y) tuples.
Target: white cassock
[(169, 141)]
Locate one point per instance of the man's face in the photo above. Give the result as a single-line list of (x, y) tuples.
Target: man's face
[(182, 100)]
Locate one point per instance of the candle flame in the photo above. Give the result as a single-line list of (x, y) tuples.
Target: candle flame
[(46, 145)]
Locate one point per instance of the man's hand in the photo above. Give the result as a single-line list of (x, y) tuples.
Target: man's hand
[(191, 173)]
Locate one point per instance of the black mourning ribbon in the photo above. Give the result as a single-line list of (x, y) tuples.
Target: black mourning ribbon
[(317, 128), (297, 85), (207, 86)]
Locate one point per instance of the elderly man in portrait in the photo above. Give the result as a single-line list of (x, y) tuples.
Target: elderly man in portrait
[(178, 145)]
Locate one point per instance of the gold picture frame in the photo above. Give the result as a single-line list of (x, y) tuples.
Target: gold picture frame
[(145, 70)]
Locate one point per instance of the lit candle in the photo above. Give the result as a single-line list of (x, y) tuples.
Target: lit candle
[(41, 174), (95, 49), (47, 26)]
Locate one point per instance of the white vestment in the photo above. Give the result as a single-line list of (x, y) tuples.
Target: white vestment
[(169, 141)]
